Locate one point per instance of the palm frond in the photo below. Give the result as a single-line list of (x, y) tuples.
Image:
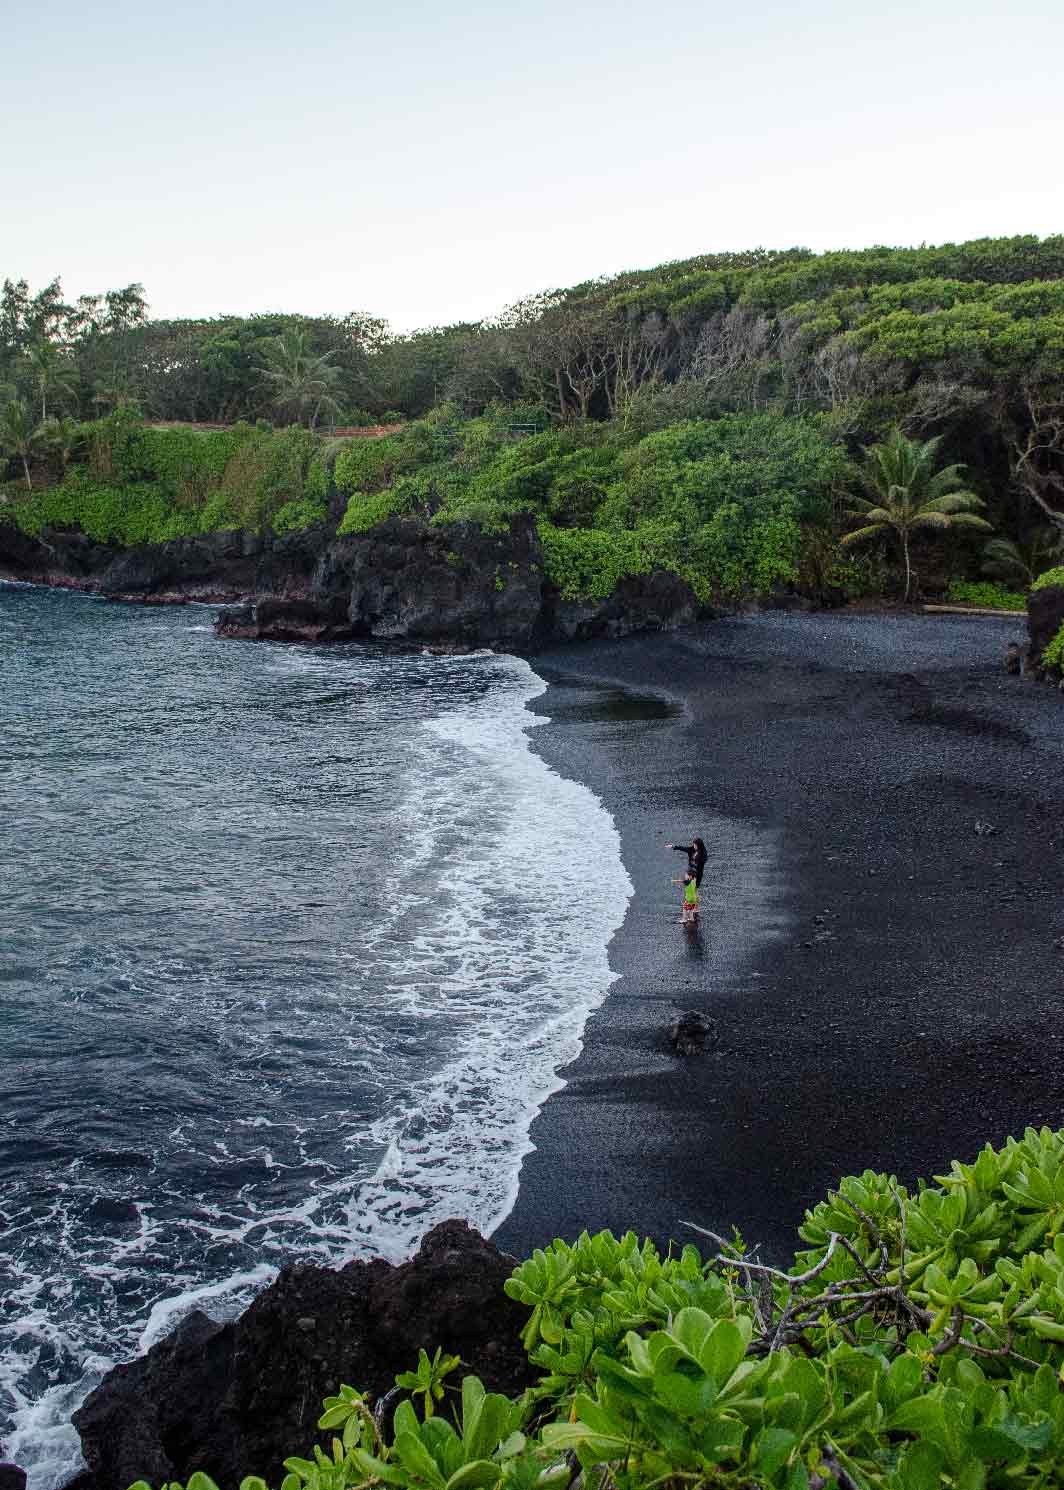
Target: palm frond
[(956, 501), (872, 531), (969, 520)]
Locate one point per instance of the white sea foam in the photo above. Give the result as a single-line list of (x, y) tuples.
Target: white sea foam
[(521, 984), (211, 1298)]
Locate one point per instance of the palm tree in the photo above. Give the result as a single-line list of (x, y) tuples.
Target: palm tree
[(906, 493), (18, 434), (50, 373), (299, 381), (61, 435), (1019, 561)]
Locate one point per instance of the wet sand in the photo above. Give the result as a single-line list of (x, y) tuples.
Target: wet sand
[(883, 977)]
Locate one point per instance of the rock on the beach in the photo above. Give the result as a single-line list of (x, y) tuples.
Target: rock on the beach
[(690, 1032), (1015, 656), (12, 1478), (237, 1399)]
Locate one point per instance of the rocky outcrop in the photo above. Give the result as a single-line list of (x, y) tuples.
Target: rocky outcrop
[(236, 1399), (285, 621), (68, 560), (654, 602), (214, 567), (1045, 617), (453, 589), (450, 589)]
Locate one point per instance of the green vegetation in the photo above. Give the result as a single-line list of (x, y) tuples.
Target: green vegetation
[(721, 502), (720, 415), (1050, 577), (987, 596), (136, 484), (906, 493), (1053, 656), (917, 1342), (1019, 562)]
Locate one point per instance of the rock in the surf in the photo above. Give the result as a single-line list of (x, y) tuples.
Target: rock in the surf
[(236, 1399)]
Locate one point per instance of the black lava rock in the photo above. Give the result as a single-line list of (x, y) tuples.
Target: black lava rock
[(237, 1399)]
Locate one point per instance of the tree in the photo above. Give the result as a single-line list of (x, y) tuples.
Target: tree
[(299, 382), (1037, 448), (61, 435), (18, 436), (906, 494), (1020, 562), (51, 373)]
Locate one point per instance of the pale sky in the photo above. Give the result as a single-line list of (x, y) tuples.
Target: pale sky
[(432, 162)]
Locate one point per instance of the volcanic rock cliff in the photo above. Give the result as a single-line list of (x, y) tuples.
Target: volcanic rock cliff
[(454, 588)]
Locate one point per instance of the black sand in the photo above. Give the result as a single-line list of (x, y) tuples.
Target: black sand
[(885, 979)]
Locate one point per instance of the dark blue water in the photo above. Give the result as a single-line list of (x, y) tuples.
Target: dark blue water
[(292, 942)]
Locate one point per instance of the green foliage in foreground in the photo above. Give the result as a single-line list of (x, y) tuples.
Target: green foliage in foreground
[(917, 1343), (986, 595), (1050, 577)]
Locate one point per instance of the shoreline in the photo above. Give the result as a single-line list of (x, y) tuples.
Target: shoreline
[(883, 978)]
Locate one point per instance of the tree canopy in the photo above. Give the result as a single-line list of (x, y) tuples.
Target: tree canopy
[(665, 388)]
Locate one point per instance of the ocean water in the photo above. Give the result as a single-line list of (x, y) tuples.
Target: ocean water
[(292, 944)]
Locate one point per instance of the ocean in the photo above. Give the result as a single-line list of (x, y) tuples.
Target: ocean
[(293, 942)]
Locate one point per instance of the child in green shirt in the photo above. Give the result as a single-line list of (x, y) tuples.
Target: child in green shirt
[(689, 911)]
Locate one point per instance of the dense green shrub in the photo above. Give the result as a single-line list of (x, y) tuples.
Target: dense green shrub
[(986, 595), (147, 485), (719, 502), (186, 464), (748, 459), (270, 470), (303, 512), (366, 509), (1050, 577), (369, 465), (916, 1343), (588, 563), (135, 513)]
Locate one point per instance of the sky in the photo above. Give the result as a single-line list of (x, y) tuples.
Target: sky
[(434, 162)]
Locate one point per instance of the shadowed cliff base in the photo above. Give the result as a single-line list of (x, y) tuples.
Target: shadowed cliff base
[(880, 941)]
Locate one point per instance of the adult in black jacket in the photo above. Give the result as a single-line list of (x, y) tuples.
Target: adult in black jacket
[(696, 857)]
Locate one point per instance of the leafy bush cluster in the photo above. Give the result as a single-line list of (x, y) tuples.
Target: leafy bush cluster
[(986, 595), (1050, 577), (590, 562), (720, 502), (918, 1342), (140, 484)]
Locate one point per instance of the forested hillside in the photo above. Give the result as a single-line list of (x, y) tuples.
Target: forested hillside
[(713, 416)]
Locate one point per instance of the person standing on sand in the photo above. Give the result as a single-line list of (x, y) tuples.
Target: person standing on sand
[(696, 858), (689, 913)]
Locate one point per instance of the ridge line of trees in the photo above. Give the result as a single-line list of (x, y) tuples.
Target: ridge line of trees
[(960, 344)]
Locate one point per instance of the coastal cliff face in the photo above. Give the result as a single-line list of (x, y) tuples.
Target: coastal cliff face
[(455, 588), (235, 1399)]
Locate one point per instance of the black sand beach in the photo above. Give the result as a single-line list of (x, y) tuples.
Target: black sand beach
[(885, 977)]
